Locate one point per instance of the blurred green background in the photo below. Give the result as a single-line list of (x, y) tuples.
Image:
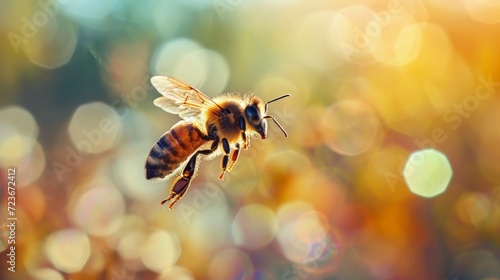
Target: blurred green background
[(391, 169)]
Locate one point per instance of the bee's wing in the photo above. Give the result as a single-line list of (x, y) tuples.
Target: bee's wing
[(180, 98)]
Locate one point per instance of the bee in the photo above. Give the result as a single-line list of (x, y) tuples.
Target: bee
[(210, 127)]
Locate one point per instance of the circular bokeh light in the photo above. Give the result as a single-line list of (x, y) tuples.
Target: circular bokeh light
[(229, 264), (190, 63), (254, 226), (18, 130), (68, 249), (94, 128), (350, 127), (427, 172), (100, 211), (160, 250)]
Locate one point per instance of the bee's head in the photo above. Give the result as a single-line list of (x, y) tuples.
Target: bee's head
[(255, 115)]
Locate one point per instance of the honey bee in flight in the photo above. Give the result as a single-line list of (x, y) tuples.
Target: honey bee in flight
[(210, 128)]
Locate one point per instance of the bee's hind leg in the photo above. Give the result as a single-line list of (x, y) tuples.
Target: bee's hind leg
[(177, 191), (182, 183)]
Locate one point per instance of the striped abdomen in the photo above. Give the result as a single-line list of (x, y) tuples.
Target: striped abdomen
[(173, 148)]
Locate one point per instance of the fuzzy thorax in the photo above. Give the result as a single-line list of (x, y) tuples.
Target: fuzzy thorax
[(227, 121)]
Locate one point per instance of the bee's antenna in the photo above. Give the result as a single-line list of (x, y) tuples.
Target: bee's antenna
[(271, 117), (276, 99), (277, 123)]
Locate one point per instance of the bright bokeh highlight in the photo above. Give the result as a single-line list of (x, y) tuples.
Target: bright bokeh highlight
[(427, 173)]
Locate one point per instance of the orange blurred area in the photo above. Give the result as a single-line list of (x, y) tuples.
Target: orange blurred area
[(391, 167)]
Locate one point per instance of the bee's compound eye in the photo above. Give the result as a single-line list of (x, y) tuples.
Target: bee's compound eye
[(253, 114)]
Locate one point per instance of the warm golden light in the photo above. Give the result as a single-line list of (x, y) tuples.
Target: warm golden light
[(389, 167)]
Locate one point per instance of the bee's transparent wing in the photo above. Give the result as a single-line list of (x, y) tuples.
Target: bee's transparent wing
[(180, 98)]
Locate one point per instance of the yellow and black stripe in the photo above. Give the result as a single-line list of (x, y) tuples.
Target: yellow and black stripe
[(173, 148)]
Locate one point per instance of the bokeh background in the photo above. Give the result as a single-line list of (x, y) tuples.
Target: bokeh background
[(391, 169)]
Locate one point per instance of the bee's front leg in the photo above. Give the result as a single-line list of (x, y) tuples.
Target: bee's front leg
[(182, 183), (234, 157), (243, 128), (225, 159)]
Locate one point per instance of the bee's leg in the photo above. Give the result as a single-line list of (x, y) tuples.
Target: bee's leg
[(234, 157), (182, 183), (177, 191), (246, 142), (225, 159), (243, 128)]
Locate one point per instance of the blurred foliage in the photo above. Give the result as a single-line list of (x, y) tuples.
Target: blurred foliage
[(354, 192)]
